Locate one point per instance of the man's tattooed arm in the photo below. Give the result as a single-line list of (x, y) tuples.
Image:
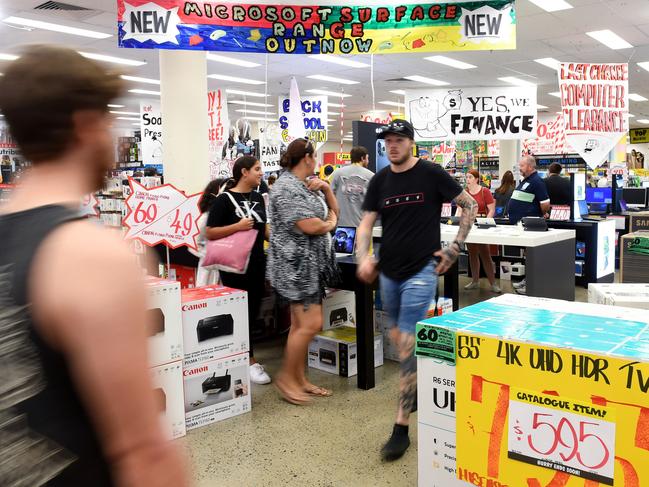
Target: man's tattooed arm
[(449, 254)]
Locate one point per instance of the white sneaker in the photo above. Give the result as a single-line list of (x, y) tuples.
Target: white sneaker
[(472, 285), (521, 290), (519, 284), (496, 289), (258, 375)]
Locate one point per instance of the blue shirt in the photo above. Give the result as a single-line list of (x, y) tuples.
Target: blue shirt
[(527, 197)]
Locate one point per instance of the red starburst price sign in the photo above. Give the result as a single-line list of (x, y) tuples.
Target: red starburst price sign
[(162, 215), (89, 206), (563, 435)]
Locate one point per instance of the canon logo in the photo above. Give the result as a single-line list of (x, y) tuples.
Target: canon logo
[(191, 307), (198, 370)]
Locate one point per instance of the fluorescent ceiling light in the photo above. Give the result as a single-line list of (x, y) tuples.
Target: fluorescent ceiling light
[(399, 92), (228, 60), (609, 39), (255, 112), (516, 81), (550, 62), (111, 59), (631, 115), (127, 118), (337, 105), (144, 92), (332, 79), (124, 113), (249, 103), (37, 24), (332, 113), (246, 93), (329, 93), (236, 79), (428, 81), (555, 93), (636, 97), (447, 61), (8, 57), (138, 79), (261, 119), (114, 106), (343, 61), (643, 120), (392, 104), (552, 5), (136, 123), (331, 120), (644, 65), (538, 106)]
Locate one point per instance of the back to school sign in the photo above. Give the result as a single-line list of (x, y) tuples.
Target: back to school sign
[(314, 29)]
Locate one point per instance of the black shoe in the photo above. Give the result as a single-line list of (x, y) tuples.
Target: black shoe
[(397, 444)]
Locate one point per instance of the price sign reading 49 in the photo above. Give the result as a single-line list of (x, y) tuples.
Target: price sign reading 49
[(563, 435), (162, 215)]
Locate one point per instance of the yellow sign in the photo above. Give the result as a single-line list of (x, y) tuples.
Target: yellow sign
[(639, 136), (603, 400)]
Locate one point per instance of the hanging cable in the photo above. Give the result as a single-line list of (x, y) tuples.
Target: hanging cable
[(342, 118), (372, 82)]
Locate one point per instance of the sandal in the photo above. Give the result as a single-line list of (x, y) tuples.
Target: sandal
[(292, 398), (318, 391)]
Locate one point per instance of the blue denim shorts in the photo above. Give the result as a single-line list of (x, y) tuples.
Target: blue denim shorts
[(407, 302)]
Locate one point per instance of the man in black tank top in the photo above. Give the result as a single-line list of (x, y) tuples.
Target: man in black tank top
[(76, 404)]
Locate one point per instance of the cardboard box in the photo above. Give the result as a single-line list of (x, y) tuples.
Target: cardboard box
[(164, 321), (216, 390), (215, 323), (383, 325), (335, 351), (338, 309), (168, 388), (505, 270), (627, 295), (634, 266)]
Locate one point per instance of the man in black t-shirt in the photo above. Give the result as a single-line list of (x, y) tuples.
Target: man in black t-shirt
[(559, 188), (408, 196)]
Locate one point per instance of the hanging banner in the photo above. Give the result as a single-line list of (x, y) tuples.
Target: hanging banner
[(217, 135), (316, 29), (151, 129), (472, 113), (550, 137), (162, 214), (595, 105), (314, 117)]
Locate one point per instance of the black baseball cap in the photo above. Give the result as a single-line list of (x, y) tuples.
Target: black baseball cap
[(398, 127)]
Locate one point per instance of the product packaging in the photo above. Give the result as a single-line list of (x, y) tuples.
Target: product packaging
[(216, 390), (164, 321), (335, 351), (168, 389), (338, 309), (215, 323), (627, 295)]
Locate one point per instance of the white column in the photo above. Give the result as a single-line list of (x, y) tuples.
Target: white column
[(509, 156), (183, 86)]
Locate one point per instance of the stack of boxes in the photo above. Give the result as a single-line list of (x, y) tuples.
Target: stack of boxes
[(627, 295), (166, 352), (216, 350)]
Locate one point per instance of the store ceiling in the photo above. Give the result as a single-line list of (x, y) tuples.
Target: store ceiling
[(560, 35)]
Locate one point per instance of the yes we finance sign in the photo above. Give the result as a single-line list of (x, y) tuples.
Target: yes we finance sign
[(472, 113)]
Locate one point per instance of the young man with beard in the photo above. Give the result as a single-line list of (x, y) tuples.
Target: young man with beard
[(77, 406), (408, 196)]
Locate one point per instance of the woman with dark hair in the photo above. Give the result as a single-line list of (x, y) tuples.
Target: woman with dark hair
[(205, 277), (504, 192), (301, 260), (226, 219)]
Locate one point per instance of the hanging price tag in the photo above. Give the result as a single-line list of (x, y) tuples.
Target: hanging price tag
[(446, 210), (560, 213), (162, 215), (562, 434)]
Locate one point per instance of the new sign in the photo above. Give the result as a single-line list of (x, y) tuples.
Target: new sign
[(316, 29)]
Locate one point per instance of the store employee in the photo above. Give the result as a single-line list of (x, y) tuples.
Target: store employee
[(530, 198)]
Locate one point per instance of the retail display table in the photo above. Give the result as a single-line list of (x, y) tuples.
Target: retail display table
[(531, 391)]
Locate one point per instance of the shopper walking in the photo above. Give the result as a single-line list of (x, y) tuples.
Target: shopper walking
[(504, 192), (478, 252), (349, 184), (76, 404), (559, 188), (206, 277), (240, 208), (301, 261), (408, 196)]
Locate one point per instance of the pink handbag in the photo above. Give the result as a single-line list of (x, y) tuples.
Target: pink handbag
[(231, 254)]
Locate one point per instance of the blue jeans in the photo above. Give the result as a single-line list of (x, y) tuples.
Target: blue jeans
[(407, 302)]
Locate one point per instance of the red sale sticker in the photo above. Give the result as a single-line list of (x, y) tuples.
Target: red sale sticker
[(562, 434), (163, 214), (89, 206)]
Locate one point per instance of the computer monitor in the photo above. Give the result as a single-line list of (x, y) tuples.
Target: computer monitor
[(583, 208), (599, 195), (635, 197)]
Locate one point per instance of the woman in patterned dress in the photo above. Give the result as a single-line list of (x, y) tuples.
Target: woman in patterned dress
[(301, 260)]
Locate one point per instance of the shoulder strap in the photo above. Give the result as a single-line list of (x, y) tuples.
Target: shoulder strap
[(237, 208)]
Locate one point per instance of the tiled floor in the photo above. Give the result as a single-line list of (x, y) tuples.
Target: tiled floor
[(333, 442)]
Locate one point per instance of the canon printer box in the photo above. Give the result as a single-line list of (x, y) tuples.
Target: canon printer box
[(335, 351), (168, 389), (216, 390), (338, 309), (215, 323), (164, 321)]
